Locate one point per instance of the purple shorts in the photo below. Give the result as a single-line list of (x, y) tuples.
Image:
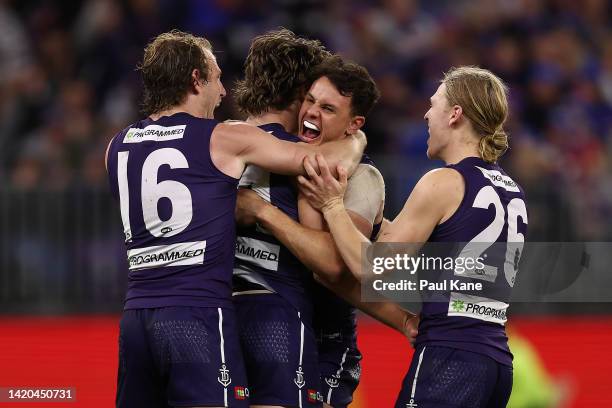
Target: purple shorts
[(280, 352), (180, 357), (445, 377)]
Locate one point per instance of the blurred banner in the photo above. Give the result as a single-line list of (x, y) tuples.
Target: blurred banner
[(559, 362)]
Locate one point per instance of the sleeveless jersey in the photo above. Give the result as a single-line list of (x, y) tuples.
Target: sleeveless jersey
[(177, 210), (334, 318), (490, 223), (261, 261)]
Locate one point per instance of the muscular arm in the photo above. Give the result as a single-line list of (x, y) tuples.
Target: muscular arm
[(385, 311), (312, 246), (317, 251), (233, 145)]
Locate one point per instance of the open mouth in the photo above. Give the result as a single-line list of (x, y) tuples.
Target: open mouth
[(310, 132)]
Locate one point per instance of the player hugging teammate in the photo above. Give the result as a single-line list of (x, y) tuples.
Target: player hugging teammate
[(298, 338), (266, 316)]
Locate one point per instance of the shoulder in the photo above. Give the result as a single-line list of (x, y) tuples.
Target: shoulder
[(441, 179), (230, 126), (440, 186), (366, 172)]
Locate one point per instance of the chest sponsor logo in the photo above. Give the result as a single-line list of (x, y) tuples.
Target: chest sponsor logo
[(260, 253), (477, 307), (500, 180), (154, 133), (183, 253)]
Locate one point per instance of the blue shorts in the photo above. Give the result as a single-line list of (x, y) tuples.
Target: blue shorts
[(280, 352), (443, 377), (180, 357), (340, 372)]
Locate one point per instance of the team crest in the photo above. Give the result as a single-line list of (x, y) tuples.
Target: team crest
[(333, 381), (224, 376), (411, 404), (299, 377)]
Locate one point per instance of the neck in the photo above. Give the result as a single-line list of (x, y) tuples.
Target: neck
[(188, 106), (287, 118), (463, 144)]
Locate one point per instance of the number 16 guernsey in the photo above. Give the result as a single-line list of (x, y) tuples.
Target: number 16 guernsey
[(177, 210)]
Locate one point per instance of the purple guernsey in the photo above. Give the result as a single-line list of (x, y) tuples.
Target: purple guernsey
[(492, 214), (262, 262), (177, 210)]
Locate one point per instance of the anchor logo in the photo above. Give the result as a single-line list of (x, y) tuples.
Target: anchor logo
[(224, 377), (411, 404), (333, 381), (299, 377)]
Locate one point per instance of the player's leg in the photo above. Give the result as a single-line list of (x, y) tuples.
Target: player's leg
[(340, 372), (502, 388), (138, 381), (198, 351), (443, 377), (280, 352)]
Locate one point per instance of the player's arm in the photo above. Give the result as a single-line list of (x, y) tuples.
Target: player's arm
[(317, 250), (433, 200), (312, 246), (387, 312), (236, 144), (435, 197)]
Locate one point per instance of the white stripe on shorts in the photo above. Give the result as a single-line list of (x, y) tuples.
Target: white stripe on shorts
[(329, 393), (301, 353), (222, 346), (416, 375)]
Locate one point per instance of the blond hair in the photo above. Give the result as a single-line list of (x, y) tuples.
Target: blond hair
[(483, 98)]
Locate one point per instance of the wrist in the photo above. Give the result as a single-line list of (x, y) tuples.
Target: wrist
[(265, 214), (333, 207)]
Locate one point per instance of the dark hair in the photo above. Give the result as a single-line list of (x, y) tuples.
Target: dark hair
[(350, 79), (166, 69), (275, 71)]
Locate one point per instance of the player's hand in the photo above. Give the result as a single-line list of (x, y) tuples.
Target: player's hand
[(322, 190), (249, 206), (411, 327)]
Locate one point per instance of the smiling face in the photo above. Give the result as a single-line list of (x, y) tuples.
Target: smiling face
[(439, 118), (326, 114)]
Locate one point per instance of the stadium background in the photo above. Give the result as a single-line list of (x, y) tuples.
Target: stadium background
[(67, 84)]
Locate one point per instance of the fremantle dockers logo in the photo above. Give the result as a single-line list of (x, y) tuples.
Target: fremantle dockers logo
[(224, 376), (333, 381), (299, 377), (411, 404)]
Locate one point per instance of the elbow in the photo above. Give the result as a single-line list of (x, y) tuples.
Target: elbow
[(331, 274)]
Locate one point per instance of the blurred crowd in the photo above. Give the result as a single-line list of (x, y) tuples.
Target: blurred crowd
[(67, 83)]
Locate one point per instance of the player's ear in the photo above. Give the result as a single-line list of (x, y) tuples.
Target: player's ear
[(456, 112), (196, 80), (355, 124)]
